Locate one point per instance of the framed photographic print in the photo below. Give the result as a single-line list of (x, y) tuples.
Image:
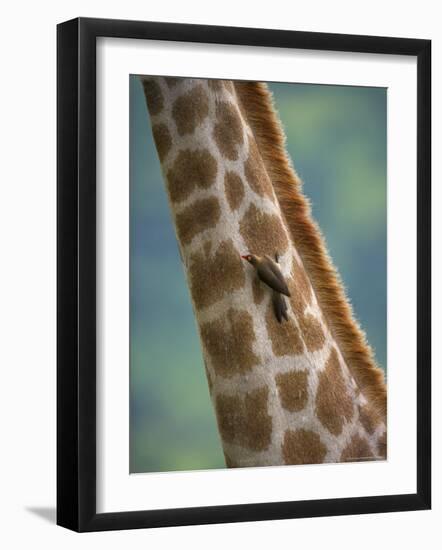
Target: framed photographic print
[(243, 274)]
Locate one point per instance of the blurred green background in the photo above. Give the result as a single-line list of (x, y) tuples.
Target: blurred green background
[(336, 136)]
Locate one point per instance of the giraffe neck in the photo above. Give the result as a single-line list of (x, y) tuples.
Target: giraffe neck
[(283, 393)]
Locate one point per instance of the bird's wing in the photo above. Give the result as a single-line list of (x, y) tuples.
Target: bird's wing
[(279, 306), (274, 267), (269, 278), (274, 277)]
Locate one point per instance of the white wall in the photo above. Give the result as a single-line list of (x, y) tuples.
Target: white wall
[(27, 272)]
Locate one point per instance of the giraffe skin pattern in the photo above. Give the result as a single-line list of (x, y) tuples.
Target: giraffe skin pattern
[(282, 393)]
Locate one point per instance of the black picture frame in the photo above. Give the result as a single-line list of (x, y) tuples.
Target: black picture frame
[(76, 273)]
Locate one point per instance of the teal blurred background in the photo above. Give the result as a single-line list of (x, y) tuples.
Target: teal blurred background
[(336, 136)]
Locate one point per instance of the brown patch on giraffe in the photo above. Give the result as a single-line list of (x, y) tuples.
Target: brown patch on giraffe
[(256, 173), (357, 449), (300, 298), (369, 418), (285, 337), (258, 290), (153, 95), (382, 445), (245, 422), (296, 298), (190, 109), (229, 343), (191, 169), (293, 391), (211, 277), (263, 233), (300, 288), (312, 332), (172, 81), (333, 402), (197, 217), (227, 132), (234, 189), (162, 139), (303, 447)]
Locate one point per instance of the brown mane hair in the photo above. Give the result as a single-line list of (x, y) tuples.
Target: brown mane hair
[(257, 106)]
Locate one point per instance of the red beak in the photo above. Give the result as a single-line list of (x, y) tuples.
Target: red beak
[(244, 257)]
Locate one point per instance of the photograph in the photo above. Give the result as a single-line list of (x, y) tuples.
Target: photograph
[(244, 215), (258, 273)]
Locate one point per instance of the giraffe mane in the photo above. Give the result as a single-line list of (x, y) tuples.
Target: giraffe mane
[(256, 104)]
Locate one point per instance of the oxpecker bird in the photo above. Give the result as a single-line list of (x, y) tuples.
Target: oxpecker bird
[(269, 273)]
